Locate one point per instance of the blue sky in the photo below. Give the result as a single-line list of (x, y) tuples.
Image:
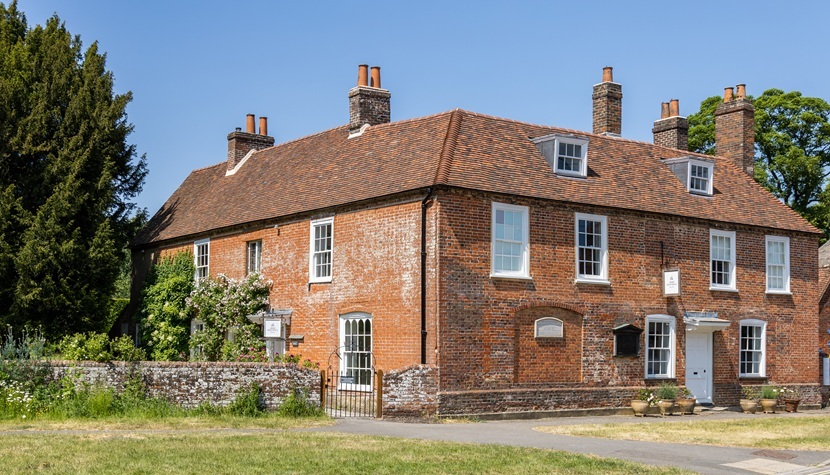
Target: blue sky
[(197, 67)]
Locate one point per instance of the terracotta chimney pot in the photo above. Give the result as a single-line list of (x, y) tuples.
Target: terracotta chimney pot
[(376, 76), (608, 74), (664, 110), (728, 94), (363, 75), (741, 91), (674, 108), (263, 126), (249, 124)]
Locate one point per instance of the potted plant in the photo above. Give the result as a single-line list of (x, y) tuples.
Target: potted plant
[(666, 393), (769, 398), (643, 399), (749, 403), (791, 397), (686, 401)]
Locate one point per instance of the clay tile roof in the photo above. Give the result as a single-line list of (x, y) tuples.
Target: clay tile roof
[(458, 149)]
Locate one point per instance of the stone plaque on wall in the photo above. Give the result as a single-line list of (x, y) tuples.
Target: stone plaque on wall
[(549, 328)]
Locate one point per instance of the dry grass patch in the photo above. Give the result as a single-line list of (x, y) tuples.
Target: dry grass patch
[(269, 421), (793, 433), (288, 452)]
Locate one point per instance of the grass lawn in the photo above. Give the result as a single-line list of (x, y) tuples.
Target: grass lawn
[(793, 433), (203, 450)]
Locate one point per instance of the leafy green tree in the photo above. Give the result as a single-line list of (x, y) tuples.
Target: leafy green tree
[(67, 175), (223, 305), (792, 148), (163, 313)]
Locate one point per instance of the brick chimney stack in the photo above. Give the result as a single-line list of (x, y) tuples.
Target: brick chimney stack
[(240, 143), (607, 104), (735, 129), (672, 130), (368, 103)]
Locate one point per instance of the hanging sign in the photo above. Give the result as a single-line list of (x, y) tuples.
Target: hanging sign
[(671, 282), (272, 328)]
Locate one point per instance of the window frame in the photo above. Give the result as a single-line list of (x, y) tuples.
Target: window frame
[(786, 266), (731, 286), (257, 245), (602, 278), (196, 245), (553, 160), (709, 167), (362, 354), (312, 254), (762, 366), (672, 347), (524, 270)]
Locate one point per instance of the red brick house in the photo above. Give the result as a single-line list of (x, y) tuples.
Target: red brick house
[(510, 266)]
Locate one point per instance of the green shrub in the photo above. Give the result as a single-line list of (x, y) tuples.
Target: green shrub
[(165, 320), (297, 404), (86, 347), (123, 349), (248, 402), (769, 392), (666, 391)]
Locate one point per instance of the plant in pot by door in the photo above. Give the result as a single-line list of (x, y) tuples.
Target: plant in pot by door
[(749, 403), (791, 397), (666, 393), (686, 401), (769, 399), (643, 399)]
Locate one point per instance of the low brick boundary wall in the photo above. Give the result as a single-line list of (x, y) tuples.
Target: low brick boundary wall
[(457, 403), (191, 383), (410, 392)]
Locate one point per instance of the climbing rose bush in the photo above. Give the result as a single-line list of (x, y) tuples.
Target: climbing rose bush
[(223, 305)]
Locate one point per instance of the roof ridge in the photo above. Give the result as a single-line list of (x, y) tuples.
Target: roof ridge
[(448, 147)]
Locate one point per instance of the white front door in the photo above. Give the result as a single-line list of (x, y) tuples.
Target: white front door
[(699, 365)]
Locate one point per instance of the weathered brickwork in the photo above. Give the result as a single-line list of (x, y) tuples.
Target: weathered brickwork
[(190, 384), (672, 132), (607, 108), (376, 271), (411, 392), (484, 331), (735, 133)]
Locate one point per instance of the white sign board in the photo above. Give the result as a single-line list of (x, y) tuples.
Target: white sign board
[(272, 328), (549, 328), (671, 283)]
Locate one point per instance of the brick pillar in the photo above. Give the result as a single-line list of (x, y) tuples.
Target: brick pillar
[(672, 130), (607, 105), (240, 143), (368, 103), (735, 129)]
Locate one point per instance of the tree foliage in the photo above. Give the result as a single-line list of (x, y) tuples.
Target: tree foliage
[(67, 175), (223, 305), (163, 313), (792, 148)]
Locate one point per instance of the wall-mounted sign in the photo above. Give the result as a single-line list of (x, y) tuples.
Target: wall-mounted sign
[(671, 282), (272, 328), (549, 327)]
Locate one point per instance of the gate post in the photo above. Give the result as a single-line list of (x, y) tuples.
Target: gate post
[(323, 388), (379, 394)]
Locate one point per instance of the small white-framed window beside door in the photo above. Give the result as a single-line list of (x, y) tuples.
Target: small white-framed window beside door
[(660, 346), (752, 358), (356, 368), (778, 264)]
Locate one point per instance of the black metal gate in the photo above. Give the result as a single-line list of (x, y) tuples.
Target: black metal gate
[(350, 386)]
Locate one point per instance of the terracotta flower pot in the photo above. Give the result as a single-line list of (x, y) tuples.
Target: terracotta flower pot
[(687, 405), (791, 405), (769, 405), (749, 406), (640, 407), (666, 406)]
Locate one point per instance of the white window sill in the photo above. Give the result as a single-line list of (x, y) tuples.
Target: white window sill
[(569, 175), (779, 292), (510, 277), (320, 281), (658, 378), (723, 289), (752, 376), (583, 280)]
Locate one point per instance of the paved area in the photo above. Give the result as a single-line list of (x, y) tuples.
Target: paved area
[(699, 458)]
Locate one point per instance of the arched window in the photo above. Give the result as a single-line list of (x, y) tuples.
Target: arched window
[(356, 344)]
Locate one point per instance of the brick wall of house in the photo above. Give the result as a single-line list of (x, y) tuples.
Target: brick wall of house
[(376, 270), (411, 392), (189, 384), (482, 337)]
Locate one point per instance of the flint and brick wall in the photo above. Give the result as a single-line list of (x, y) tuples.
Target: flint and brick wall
[(190, 384), (411, 392)]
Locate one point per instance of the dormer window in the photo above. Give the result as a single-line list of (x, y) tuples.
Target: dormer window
[(566, 154), (695, 173)]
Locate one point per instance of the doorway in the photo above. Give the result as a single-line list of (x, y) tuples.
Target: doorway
[(699, 365)]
